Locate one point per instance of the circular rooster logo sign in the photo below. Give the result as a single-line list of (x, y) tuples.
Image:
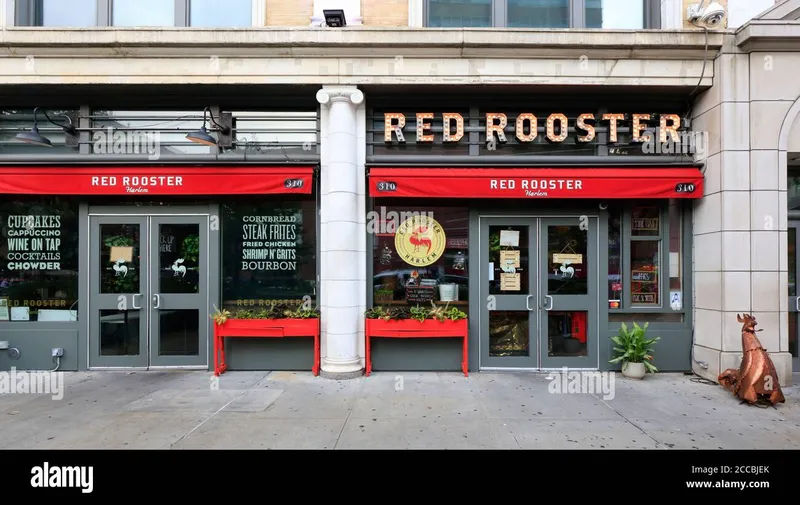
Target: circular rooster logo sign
[(420, 241)]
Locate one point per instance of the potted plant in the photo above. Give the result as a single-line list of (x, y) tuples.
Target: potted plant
[(634, 350)]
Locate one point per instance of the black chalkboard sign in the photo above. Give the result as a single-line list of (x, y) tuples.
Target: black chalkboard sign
[(420, 294)]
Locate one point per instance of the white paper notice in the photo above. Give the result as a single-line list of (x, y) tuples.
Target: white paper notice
[(20, 314), (509, 238), (491, 271), (674, 264), (675, 301), (4, 315), (57, 315)]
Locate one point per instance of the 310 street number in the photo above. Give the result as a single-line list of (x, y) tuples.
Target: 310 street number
[(684, 187), (293, 183), (387, 186)]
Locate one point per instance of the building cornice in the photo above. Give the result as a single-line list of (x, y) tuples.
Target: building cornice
[(357, 42), (769, 35)]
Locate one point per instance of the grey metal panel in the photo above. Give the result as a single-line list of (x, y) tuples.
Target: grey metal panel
[(185, 159), (602, 314), (83, 286), (671, 354), (215, 273), (476, 305), (585, 162), (35, 342)]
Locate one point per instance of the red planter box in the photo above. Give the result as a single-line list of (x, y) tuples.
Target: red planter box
[(263, 328), (411, 328)]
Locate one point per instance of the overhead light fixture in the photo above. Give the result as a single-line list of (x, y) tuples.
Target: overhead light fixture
[(35, 138), (202, 136), (334, 18)]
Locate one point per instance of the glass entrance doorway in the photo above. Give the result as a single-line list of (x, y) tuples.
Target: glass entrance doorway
[(794, 294), (539, 277), (148, 290)]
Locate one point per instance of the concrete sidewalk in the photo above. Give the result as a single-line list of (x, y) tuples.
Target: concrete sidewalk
[(286, 410)]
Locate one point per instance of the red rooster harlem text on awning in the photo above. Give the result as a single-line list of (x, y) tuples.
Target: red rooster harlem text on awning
[(148, 180), (605, 183)]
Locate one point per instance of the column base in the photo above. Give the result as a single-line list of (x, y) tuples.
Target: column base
[(719, 361), (341, 370)]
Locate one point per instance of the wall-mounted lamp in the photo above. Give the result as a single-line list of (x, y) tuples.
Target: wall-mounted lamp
[(334, 18), (34, 137), (202, 136)]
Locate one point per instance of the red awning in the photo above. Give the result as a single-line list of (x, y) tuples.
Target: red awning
[(149, 180), (606, 183)]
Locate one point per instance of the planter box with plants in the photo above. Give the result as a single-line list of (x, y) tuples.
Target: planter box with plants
[(634, 350), (439, 321), (277, 321)]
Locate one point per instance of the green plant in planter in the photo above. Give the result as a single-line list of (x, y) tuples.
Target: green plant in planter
[(633, 346), (302, 313), (419, 313)]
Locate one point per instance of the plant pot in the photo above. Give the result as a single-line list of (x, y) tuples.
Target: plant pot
[(633, 370), (448, 292)]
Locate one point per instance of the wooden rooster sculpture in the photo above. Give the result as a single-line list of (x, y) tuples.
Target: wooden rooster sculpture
[(756, 378)]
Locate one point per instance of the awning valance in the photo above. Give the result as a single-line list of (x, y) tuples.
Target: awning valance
[(604, 183), (150, 180)]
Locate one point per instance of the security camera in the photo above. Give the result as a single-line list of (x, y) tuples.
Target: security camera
[(706, 17), (603, 206)]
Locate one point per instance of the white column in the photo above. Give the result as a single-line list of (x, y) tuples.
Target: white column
[(341, 275), (351, 8)]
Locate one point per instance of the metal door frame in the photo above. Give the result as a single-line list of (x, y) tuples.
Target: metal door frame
[(531, 225), (147, 212), (794, 301), (536, 220)]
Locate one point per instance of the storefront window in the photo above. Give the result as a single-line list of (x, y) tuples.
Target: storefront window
[(39, 252), (615, 259), (649, 245), (420, 255), (268, 253)]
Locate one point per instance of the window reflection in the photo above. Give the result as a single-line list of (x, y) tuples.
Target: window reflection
[(143, 13), (73, 14), (149, 132), (538, 13), (214, 13), (427, 262), (39, 259), (615, 14), (460, 13), (268, 253)]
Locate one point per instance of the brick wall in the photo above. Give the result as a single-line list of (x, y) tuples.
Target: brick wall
[(384, 12), (289, 12), (687, 3)]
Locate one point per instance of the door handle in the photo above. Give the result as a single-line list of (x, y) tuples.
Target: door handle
[(797, 303), (528, 302), (546, 307), (157, 301), (133, 301)]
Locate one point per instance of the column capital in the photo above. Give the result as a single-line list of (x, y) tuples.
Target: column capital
[(340, 94)]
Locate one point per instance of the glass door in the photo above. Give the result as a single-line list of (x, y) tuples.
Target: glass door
[(508, 286), (118, 286), (794, 296), (148, 303), (568, 287), (178, 301)]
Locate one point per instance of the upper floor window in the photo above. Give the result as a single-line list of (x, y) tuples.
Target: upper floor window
[(180, 13), (610, 14)]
